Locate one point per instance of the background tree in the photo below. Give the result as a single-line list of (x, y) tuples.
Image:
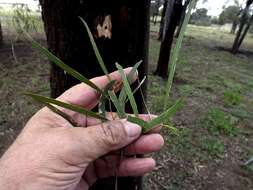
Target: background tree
[(182, 17), (121, 30), (245, 23), (161, 29), (200, 17), (230, 15), (154, 10), (172, 18)]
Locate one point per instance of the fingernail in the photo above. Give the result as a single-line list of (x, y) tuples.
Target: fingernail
[(132, 129)]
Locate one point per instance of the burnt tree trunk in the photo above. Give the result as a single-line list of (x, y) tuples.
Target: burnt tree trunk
[(173, 13), (243, 22), (125, 42), (1, 34)]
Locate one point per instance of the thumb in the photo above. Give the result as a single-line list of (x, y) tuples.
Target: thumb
[(101, 139)]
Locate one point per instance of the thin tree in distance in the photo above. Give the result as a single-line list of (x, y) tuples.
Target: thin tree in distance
[(245, 23)]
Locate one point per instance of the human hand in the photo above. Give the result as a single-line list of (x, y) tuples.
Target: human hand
[(51, 154)]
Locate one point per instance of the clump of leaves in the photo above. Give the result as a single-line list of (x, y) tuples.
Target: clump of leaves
[(218, 122), (108, 94), (232, 97)]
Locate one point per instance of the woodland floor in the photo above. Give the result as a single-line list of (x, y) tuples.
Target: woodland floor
[(215, 127)]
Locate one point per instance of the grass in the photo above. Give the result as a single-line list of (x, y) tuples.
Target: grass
[(213, 147), (215, 125), (232, 97)]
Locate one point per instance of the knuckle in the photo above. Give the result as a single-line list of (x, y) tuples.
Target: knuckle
[(113, 133)]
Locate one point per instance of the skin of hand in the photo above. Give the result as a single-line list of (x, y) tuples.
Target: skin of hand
[(51, 154)]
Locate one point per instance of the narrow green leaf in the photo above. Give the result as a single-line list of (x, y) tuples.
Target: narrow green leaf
[(104, 97), (95, 48), (137, 88), (74, 108), (145, 125), (130, 76), (167, 114), (133, 72), (62, 114), (139, 85), (63, 66), (176, 52), (128, 90), (171, 128), (120, 111)]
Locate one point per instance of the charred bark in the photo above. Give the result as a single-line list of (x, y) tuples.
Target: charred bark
[(126, 42), (1, 34)]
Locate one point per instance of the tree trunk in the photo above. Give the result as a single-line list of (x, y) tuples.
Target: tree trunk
[(161, 30), (245, 31), (173, 13), (1, 34), (183, 13), (234, 26), (243, 22), (126, 42)]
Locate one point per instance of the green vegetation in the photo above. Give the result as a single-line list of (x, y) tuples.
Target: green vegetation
[(214, 147), (217, 122), (232, 97)]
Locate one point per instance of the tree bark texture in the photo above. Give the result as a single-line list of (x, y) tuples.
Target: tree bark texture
[(1, 34), (121, 30), (172, 17)]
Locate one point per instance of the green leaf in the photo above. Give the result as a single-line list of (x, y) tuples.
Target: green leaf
[(130, 76), (140, 84), (167, 114), (176, 51), (74, 108), (62, 114), (104, 97), (148, 126), (63, 66), (120, 111), (145, 125), (137, 88), (133, 72), (95, 48), (128, 90)]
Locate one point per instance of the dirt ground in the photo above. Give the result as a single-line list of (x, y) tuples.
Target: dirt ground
[(215, 126)]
